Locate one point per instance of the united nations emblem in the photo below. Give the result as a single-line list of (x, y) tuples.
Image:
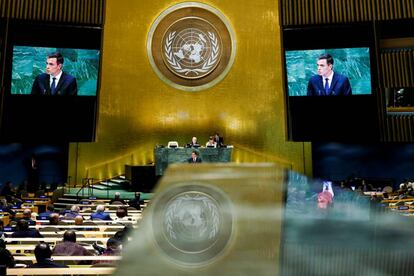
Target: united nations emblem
[(191, 46), (193, 224), (191, 52)]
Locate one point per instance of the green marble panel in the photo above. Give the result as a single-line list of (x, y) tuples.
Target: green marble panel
[(166, 156)]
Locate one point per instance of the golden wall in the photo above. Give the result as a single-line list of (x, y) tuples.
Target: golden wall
[(137, 110)]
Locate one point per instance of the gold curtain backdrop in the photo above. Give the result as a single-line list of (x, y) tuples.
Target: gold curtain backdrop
[(137, 110)]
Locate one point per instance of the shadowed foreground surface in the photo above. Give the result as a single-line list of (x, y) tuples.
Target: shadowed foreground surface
[(215, 219)]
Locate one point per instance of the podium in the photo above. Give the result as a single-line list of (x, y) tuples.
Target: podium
[(166, 156)]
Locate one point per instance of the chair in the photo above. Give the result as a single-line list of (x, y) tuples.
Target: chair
[(51, 230), (117, 203), (85, 201), (19, 262), (172, 144)]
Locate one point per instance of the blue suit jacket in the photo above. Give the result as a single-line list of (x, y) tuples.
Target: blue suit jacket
[(67, 85), (100, 216), (31, 233), (339, 86)]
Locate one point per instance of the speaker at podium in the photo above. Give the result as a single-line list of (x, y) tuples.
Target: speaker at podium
[(210, 219)]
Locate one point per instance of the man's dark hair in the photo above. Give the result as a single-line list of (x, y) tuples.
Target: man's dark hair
[(50, 207), (42, 251), (22, 225), (121, 212), (122, 234), (113, 243), (195, 152), (328, 57), (54, 219), (69, 236), (58, 56)]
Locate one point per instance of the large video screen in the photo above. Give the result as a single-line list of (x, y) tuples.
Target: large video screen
[(51, 82), (330, 74), (350, 72), (29, 67)]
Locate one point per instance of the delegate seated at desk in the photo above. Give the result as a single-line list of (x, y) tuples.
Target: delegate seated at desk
[(211, 143), (193, 143)]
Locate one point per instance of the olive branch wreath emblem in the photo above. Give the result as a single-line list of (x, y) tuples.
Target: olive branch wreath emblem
[(172, 210), (176, 66)]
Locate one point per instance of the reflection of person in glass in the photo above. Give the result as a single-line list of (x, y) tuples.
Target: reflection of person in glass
[(327, 82), (325, 198), (54, 81)]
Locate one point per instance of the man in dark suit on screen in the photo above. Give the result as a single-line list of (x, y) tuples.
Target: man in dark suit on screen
[(327, 82), (55, 81)]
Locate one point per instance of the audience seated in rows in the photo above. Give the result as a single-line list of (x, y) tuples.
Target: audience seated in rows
[(113, 248), (6, 258), (74, 211), (23, 231), (54, 219), (121, 214), (2, 234), (136, 201), (78, 220), (100, 214), (121, 235), (49, 210), (6, 207), (43, 256), (117, 199), (27, 216), (69, 247)]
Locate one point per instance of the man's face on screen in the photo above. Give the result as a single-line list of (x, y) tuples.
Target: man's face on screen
[(52, 67), (324, 69)]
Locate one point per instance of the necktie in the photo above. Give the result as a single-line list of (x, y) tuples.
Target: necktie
[(53, 86), (326, 86)]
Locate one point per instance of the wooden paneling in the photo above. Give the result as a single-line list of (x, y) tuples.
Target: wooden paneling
[(88, 12), (397, 68), (300, 12)]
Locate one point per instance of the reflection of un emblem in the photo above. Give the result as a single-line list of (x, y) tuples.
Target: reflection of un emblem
[(191, 46), (192, 218), (193, 224), (192, 52)]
